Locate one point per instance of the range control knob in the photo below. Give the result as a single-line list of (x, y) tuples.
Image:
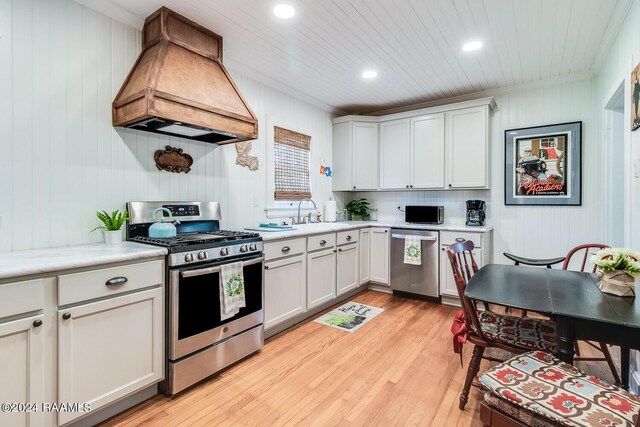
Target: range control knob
[(202, 255), (224, 251), (243, 248), (188, 257), (253, 247)]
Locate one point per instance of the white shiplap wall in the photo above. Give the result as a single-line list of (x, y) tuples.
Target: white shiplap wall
[(61, 64), (531, 231), (623, 56)]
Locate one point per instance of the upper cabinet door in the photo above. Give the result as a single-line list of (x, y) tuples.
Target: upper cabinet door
[(395, 154), (467, 147), (427, 134), (342, 167), (365, 156)]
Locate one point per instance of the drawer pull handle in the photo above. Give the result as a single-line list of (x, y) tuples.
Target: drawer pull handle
[(66, 316), (340, 250), (37, 323), (460, 239), (349, 238), (323, 242), (266, 267), (286, 249), (117, 281)]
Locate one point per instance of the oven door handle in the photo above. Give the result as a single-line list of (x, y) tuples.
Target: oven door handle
[(216, 269)]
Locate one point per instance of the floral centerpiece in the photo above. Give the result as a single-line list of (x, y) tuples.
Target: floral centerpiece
[(618, 270)]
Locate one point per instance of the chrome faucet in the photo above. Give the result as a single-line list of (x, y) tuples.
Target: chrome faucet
[(300, 220)]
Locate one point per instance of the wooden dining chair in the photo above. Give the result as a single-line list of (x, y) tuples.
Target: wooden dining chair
[(486, 329), (581, 254)]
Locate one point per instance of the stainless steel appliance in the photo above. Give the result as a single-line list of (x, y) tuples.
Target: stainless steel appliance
[(424, 214), (198, 342), (475, 212), (415, 280)]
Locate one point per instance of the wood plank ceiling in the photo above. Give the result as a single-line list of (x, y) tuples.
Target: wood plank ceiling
[(415, 45)]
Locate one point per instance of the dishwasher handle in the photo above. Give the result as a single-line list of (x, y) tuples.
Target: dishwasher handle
[(423, 238)]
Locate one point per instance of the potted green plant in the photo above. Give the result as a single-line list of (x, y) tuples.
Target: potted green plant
[(618, 268), (112, 225), (358, 210)]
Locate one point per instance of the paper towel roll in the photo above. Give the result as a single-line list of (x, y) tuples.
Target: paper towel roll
[(330, 209)]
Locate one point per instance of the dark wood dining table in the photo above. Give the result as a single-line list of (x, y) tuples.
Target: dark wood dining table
[(572, 299)]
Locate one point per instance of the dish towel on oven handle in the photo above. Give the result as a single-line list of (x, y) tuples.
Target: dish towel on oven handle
[(232, 297), (412, 250)]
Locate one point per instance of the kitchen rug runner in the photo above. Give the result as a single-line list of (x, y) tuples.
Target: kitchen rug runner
[(350, 316)]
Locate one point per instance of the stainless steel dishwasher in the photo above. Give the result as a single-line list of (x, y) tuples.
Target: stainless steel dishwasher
[(415, 280)]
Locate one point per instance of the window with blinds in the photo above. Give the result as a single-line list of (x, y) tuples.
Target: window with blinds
[(292, 161)]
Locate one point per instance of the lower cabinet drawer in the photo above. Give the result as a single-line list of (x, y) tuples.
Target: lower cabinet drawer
[(451, 237), (21, 297), (350, 236), (284, 248), (322, 241), (77, 287)]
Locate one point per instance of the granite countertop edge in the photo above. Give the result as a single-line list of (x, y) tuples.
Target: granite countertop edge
[(16, 264), (304, 230)]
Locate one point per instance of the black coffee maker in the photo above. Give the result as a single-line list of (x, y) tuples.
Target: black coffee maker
[(475, 212)]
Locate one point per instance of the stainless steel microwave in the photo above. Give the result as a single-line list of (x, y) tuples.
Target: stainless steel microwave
[(424, 214)]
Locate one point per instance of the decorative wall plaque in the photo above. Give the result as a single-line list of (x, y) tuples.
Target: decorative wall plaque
[(244, 159), (173, 159)]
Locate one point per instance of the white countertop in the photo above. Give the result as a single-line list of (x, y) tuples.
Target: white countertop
[(38, 261), (328, 227)]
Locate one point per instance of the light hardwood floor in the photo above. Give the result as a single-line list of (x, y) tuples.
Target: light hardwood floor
[(397, 370)]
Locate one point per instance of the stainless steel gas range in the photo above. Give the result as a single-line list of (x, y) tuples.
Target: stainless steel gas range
[(199, 343)]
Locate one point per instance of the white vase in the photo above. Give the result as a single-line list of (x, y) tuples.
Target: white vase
[(112, 237)]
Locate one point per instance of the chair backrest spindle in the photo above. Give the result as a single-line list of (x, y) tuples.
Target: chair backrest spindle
[(587, 251), (457, 253)]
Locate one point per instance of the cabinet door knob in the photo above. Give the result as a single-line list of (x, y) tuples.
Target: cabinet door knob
[(340, 250), (115, 281), (386, 231), (449, 185), (37, 323), (334, 251), (323, 242), (266, 267), (354, 187), (66, 316), (286, 249), (349, 237), (411, 186)]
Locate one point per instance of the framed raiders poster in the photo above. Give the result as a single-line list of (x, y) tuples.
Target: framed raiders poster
[(543, 165)]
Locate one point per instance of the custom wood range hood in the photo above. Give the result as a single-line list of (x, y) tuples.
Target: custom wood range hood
[(178, 85)]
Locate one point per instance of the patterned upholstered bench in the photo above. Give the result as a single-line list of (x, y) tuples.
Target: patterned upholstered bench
[(536, 389)]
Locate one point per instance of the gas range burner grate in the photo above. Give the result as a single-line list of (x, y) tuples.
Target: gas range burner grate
[(199, 238)]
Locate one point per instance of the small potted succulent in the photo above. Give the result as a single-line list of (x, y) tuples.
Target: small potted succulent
[(112, 225), (358, 210), (618, 270)]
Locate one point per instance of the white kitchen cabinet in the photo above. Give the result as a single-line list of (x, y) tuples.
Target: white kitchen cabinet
[(395, 154), (109, 349), (447, 284), (379, 262), (428, 147), (365, 255), (22, 369), (482, 242), (467, 142), (285, 291), (347, 268), (321, 277), (355, 155)]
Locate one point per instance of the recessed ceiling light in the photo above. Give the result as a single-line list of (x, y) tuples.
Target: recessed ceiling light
[(472, 45), (369, 74), (284, 11)]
